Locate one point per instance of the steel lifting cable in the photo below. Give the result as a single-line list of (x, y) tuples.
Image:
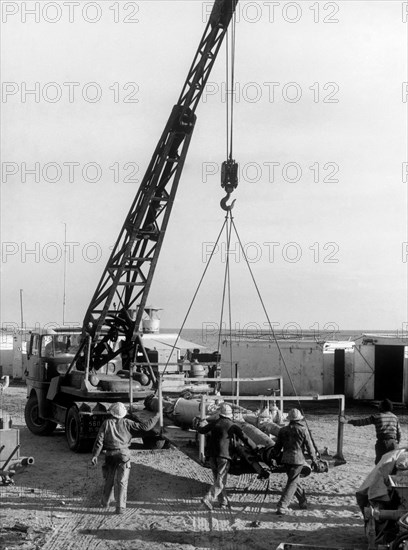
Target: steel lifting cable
[(195, 294), (229, 84), (269, 322), (228, 178), (227, 285), (229, 168)]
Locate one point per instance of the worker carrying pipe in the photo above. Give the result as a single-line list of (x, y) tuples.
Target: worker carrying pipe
[(221, 432), (290, 442)]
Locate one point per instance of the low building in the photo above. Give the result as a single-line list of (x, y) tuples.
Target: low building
[(371, 367)]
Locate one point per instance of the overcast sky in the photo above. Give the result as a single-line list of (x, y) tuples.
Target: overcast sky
[(320, 133)]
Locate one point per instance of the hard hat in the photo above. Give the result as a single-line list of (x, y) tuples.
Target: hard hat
[(295, 414), (226, 410), (265, 414), (118, 410)]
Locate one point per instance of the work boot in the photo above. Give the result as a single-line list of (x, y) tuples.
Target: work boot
[(303, 504), (282, 511), (224, 504), (302, 500), (120, 510)]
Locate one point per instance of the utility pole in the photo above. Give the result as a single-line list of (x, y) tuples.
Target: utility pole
[(21, 309), (65, 272)]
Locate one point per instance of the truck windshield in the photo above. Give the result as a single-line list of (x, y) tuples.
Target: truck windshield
[(53, 345)]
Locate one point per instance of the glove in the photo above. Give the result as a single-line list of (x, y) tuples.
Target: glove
[(352, 422), (94, 460), (197, 421)]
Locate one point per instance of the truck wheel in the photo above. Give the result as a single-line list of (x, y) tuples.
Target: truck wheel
[(73, 432), (400, 541), (37, 425)]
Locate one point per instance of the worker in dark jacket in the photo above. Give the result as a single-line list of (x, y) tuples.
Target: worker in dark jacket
[(114, 437), (291, 439), (387, 428), (220, 433)]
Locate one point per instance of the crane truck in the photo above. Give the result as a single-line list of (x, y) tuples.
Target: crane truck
[(72, 376)]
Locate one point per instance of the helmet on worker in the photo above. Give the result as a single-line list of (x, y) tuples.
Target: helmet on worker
[(226, 411), (294, 415), (118, 410)]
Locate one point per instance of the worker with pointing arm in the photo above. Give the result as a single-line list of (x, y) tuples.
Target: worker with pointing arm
[(114, 437), (387, 428)]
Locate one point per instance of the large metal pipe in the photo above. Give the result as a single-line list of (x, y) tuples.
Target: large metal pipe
[(258, 466), (12, 467), (27, 461), (255, 435)]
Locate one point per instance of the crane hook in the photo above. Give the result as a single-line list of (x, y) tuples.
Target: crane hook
[(224, 205)]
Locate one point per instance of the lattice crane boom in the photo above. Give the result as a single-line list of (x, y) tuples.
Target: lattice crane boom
[(118, 303)]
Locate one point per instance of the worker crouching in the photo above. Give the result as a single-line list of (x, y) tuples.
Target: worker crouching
[(291, 440), (114, 438)]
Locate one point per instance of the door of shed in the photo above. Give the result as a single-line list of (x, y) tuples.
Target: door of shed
[(389, 373)]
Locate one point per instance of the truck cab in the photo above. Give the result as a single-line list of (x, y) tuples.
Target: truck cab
[(63, 389), (50, 353)]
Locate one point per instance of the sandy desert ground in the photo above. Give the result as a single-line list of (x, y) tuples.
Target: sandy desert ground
[(54, 503)]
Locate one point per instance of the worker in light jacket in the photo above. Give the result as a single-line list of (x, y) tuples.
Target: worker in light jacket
[(114, 438), (387, 429), (290, 441)]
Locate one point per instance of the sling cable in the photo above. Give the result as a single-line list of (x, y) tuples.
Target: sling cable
[(229, 182)]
